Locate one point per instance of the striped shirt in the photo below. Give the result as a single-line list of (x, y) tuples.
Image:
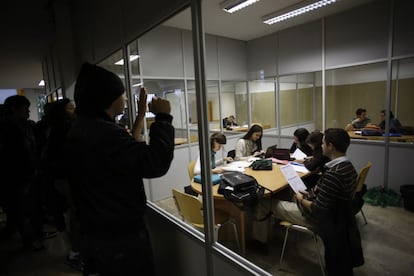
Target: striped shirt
[(336, 187)]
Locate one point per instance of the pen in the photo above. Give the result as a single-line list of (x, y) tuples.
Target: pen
[(297, 164)]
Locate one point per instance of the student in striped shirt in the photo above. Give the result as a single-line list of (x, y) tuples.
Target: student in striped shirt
[(327, 208)]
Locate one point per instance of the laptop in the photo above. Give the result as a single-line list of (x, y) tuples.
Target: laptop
[(278, 153), (269, 151)]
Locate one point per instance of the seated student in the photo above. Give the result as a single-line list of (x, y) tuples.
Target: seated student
[(317, 161), (300, 141), (250, 144), (360, 121), (327, 209), (229, 122), (395, 124), (217, 140)]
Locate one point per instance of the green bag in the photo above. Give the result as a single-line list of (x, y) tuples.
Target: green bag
[(262, 164)]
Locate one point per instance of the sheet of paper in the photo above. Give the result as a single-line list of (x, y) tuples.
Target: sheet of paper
[(299, 167), (299, 155), (292, 177), (236, 166)]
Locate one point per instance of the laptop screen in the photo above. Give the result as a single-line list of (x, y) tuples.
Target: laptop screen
[(278, 153), (269, 151)]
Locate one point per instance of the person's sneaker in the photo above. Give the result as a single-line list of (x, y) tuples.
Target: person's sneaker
[(75, 262), (34, 246)]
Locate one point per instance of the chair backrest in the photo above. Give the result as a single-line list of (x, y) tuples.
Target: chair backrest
[(189, 206), (362, 176), (191, 169)]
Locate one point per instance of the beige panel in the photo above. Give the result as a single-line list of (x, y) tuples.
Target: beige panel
[(263, 108), (405, 112), (305, 104), (288, 107), (344, 100)]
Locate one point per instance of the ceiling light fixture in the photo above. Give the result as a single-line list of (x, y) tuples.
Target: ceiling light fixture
[(295, 10), (137, 84), (131, 58), (41, 83), (231, 6)]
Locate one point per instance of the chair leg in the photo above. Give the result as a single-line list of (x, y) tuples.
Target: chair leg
[(216, 232), (363, 215), (284, 247), (319, 254), (236, 233)]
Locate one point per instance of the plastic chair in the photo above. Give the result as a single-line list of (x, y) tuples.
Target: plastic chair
[(288, 225), (191, 170), (360, 190), (191, 210)]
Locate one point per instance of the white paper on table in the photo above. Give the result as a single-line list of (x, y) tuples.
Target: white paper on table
[(298, 154), (236, 166), (295, 182), (299, 168)]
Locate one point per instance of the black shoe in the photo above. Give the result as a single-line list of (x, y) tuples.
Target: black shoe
[(260, 247), (34, 246), (75, 262), (48, 235)]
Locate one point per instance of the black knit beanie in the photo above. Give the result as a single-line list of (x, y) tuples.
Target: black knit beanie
[(95, 90)]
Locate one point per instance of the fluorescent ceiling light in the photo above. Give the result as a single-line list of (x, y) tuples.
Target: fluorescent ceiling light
[(41, 83), (295, 11), (137, 84), (131, 58), (231, 6)]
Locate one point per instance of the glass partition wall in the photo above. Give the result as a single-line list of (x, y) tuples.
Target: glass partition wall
[(403, 92), (298, 99), (162, 61), (350, 88), (115, 63)]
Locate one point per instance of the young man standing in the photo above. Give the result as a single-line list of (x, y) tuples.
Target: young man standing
[(107, 165)]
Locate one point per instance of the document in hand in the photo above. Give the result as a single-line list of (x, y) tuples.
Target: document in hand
[(295, 182), (298, 154)]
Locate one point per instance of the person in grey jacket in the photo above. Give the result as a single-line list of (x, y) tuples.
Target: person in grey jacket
[(107, 165)]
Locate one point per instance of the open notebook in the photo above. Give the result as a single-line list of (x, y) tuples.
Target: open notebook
[(292, 177)]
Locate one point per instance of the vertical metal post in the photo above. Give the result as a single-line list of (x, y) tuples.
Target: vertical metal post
[(203, 127), (128, 83), (388, 94), (323, 84)]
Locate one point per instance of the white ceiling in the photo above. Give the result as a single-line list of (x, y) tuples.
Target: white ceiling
[(246, 24), (26, 29)]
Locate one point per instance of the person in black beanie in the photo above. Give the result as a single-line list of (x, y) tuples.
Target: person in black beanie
[(106, 168)]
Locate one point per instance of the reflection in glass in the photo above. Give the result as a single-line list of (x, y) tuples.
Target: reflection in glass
[(402, 95), (355, 87), (297, 97), (263, 104), (234, 101), (115, 63)]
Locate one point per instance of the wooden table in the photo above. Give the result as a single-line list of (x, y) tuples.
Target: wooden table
[(402, 138), (272, 180), (180, 141)]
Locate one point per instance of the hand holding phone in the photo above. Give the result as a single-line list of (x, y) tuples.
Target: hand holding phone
[(142, 103), (158, 105)]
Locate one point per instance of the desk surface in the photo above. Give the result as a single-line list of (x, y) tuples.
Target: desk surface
[(402, 138), (273, 180)]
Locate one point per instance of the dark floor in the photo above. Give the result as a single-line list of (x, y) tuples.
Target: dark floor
[(388, 242)]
